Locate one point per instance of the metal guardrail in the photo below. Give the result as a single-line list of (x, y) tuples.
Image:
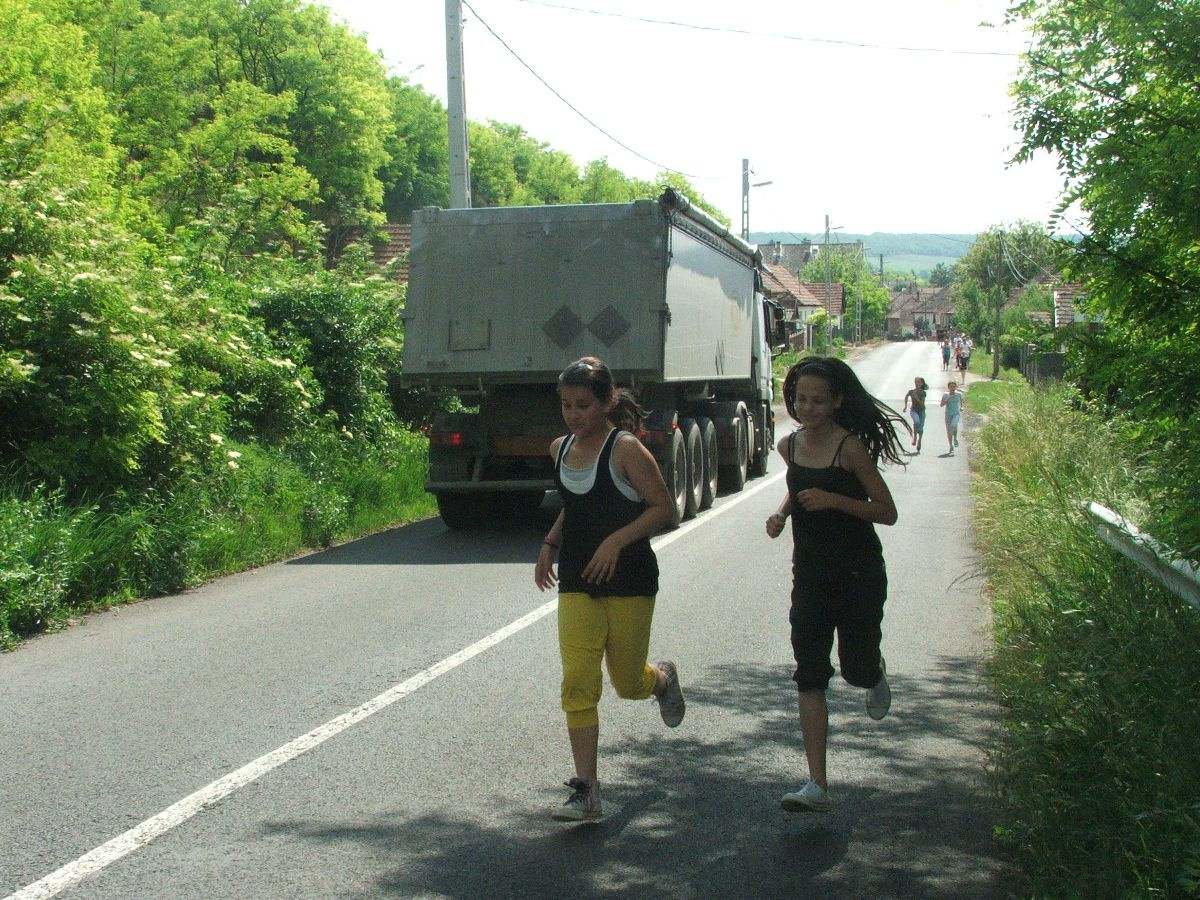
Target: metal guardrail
[(1178, 575)]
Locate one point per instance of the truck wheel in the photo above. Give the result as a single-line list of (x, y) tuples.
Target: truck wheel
[(733, 477), (459, 511), (694, 451), (761, 455), (708, 449), (674, 470)]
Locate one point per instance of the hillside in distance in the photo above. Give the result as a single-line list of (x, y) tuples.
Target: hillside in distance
[(902, 253)]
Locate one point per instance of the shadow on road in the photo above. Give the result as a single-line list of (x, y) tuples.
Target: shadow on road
[(430, 543), (697, 815)]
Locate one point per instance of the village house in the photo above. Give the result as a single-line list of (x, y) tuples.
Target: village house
[(924, 311)]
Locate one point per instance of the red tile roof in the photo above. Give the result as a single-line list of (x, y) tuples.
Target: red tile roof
[(817, 291), (396, 244)]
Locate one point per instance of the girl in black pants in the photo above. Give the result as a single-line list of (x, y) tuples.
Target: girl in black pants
[(835, 495)]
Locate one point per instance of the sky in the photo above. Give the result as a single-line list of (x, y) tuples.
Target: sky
[(870, 112)]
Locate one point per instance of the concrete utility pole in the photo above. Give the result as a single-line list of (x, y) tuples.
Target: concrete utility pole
[(746, 200), (746, 185), (999, 305), (828, 293), (456, 106), (858, 315)]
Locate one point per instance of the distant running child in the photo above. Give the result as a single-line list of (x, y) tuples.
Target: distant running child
[(839, 583), (614, 499), (953, 401), (916, 397)]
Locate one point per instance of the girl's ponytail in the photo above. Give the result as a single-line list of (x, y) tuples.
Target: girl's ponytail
[(627, 414)]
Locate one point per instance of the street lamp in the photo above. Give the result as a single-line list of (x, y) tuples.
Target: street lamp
[(746, 185)]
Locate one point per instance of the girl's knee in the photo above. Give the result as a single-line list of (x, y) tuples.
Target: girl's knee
[(634, 685)]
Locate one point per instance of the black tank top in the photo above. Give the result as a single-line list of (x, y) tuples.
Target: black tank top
[(829, 536), (592, 517)]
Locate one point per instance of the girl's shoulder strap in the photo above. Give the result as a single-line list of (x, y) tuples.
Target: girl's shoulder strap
[(837, 455), (610, 442), (792, 447), (563, 446)]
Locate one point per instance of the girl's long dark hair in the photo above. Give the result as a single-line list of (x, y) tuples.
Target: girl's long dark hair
[(871, 420)]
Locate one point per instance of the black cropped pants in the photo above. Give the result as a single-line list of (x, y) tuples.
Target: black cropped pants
[(845, 597)]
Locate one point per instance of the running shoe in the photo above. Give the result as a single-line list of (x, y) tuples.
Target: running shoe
[(584, 803), (810, 798), (671, 705)]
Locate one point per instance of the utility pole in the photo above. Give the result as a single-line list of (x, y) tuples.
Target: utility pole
[(746, 200), (456, 106), (999, 305), (746, 185), (858, 316), (828, 293)]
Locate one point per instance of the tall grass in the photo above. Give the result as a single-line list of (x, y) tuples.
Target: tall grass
[(1097, 667), (58, 560)]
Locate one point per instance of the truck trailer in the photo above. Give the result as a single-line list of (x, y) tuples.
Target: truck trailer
[(501, 300)]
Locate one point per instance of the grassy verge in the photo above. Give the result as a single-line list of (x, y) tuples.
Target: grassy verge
[(1095, 664), (985, 394), (58, 560)]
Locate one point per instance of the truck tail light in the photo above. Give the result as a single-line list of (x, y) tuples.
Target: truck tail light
[(656, 437), (447, 438)]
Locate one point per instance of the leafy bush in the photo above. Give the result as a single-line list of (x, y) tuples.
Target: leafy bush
[(348, 334), (1094, 661), (37, 565)]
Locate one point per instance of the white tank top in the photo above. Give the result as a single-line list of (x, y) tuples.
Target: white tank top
[(580, 481)]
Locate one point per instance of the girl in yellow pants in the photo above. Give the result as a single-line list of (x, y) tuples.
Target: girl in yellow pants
[(614, 498)]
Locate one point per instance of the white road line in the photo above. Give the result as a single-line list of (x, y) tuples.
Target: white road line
[(177, 813)]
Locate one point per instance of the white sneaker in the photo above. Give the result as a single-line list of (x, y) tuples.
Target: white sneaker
[(583, 805), (810, 798), (879, 698)]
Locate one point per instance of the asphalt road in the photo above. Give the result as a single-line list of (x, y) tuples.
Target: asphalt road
[(315, 728)]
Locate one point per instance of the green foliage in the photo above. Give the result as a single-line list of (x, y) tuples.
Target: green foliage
[(1002, 264), (1110, 91), (854, 274), (1138, 379), (941, 275), (1094, 661), (36, 565), (417, 173), (348, 335)]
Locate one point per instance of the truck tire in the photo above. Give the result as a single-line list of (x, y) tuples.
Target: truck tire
[(733, 476), (694, 451), (674, 470), (460, 511), (708, 450), (763, 443)]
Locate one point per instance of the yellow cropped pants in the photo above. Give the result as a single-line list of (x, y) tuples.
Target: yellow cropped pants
[(615, 629)]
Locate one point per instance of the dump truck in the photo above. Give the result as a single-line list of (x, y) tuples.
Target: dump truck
[(501, 300)]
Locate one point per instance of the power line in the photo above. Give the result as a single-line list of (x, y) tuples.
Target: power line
[(773, 35), (572, 106)]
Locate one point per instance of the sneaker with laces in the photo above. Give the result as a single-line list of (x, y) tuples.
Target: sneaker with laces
[(810, 798), (671, 705), (879, 698), (584, 803)]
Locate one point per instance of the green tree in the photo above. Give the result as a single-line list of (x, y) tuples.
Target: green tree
[(858, 280), (1110, 91), (417, 173), (941, 275), (1000, 265), (172, 68)]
